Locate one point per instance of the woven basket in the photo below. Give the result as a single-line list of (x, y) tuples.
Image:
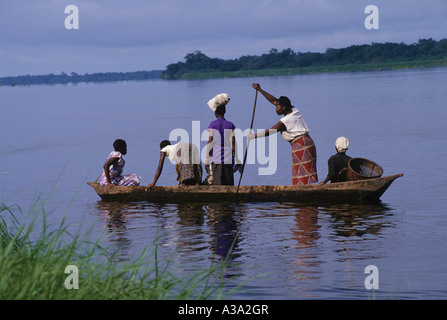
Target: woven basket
[(360, 169)]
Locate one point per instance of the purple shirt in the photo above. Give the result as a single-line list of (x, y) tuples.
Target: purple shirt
[(222, 151)]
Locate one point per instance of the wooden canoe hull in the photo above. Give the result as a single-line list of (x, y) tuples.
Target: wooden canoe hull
[(369, 190)]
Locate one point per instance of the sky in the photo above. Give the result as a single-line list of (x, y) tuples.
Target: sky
[(135, 35)]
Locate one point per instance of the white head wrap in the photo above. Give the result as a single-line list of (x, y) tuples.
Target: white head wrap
[(220, 99), (342, 144)]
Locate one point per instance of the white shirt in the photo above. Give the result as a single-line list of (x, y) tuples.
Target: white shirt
[(182, 153), (170, 151), (295, 125)]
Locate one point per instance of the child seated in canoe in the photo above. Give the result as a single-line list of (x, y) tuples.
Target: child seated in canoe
[(113, 168)]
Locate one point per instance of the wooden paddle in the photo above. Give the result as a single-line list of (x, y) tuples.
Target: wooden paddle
[(248, 142)]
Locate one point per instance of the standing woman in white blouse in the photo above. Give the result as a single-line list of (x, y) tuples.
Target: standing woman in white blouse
[(293, 129)]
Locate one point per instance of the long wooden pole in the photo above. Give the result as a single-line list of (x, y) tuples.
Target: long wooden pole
[(248, 142)]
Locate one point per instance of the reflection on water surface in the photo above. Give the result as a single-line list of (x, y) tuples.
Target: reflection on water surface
[(284, 240)]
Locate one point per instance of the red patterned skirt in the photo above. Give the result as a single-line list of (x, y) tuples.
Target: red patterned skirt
[(304, 160)]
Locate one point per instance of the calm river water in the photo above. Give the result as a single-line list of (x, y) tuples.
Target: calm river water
[(55, 138)]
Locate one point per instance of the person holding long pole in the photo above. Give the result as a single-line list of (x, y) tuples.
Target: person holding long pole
[(293, 129)]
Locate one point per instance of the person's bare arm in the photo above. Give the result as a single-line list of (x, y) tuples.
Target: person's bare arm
[(159, 169), (107, 165), (267, 95), (279, 126)]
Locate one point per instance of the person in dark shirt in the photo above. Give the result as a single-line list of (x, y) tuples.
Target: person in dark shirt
[(338, 161)]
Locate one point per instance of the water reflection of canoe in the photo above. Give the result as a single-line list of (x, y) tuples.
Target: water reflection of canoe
[(369, 190)]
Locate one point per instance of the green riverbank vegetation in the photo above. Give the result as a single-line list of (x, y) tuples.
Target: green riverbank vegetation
[(57, 265), (74, 78), (425, 53)]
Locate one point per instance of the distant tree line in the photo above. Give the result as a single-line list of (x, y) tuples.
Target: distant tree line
[(73, 77), (197, 62), (357, 54)]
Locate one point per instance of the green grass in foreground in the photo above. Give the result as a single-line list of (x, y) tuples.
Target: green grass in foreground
[(33, 270), (384, 66)]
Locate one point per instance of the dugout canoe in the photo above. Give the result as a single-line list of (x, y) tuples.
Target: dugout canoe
[(361, 191)]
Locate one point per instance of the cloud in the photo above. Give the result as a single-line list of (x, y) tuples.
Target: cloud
[(131, 35)]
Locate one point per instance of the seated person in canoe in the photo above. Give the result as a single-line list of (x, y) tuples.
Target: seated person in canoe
[(113, 168), (338, 163)]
